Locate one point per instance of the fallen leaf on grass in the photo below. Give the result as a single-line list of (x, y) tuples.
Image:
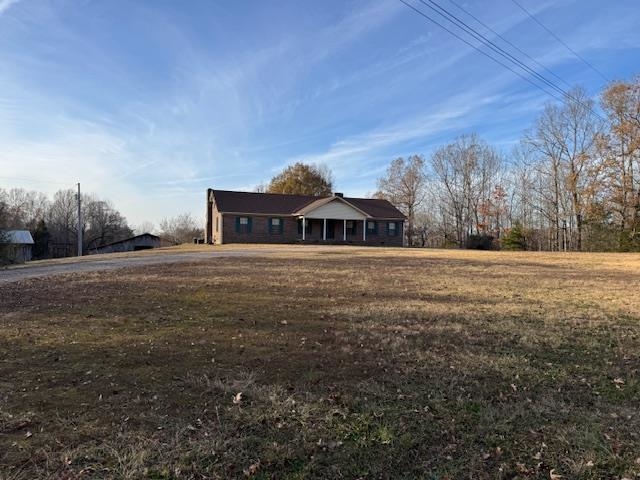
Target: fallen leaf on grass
[(237, 398), (252, 470), (553, 475)]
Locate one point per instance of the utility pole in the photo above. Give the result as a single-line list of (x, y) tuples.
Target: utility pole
[(79, 222)]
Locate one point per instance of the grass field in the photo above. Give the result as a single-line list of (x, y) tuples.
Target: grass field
[(326, 363)]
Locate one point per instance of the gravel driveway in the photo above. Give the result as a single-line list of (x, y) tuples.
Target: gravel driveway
[(102, 263)]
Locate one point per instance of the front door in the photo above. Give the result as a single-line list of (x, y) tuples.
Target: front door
[(331, 227)]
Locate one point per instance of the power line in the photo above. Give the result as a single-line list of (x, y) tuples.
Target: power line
[(509, 43), (503, 53), (443, 12), (421, 13), (484, 40), (576, 54)]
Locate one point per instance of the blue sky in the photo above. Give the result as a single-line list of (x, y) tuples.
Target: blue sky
[(148, 103)]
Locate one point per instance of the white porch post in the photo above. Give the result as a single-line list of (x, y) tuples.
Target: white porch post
[(344, 231), (324, 229), (364, 230), (304, 229)]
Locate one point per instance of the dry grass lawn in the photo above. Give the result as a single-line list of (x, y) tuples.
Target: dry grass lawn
[(326, 363)]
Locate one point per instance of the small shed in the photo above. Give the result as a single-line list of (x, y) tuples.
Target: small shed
[(17, 245), (145, 241)]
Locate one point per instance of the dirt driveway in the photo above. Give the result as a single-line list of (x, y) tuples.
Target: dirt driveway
[(115, 261)]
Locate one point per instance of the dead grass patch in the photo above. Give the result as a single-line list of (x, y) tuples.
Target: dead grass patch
[(322, 363)]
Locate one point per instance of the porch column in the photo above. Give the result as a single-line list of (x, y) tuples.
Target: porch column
[(344, 231), (304, 229), (364, 230), (324, 229)]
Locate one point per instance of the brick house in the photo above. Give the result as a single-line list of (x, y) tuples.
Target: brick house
[(243, 217)]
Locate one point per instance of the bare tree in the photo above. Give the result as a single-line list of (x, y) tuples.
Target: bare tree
[(404, 186), (62, 221), (102, 223), (467, 174), (523, 208), (3, 225), (260, 188), (180, 229), (24, 208), (619, 146), (144, 227), (54, 224), (564, 139)]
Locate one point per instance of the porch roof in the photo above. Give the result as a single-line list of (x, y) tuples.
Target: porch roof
[(332, 207)]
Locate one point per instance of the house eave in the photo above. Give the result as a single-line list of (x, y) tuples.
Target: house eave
[(300, 215), (324, 201)]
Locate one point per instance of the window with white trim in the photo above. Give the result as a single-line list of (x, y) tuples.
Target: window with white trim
[(275, 226), (243, 224)]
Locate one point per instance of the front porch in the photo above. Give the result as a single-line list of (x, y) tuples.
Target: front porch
[(334, 219), (334, 230)]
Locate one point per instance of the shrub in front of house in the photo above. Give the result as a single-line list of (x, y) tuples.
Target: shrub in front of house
[(480, 242)]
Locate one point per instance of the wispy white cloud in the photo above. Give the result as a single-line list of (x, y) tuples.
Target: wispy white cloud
[(259, 84), (151, 119), (347, 155), (6, 4)]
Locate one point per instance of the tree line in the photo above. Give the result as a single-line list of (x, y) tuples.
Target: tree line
[(53, 222), (572, 183)]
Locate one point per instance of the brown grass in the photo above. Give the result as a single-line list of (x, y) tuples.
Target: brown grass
[(352, 363)]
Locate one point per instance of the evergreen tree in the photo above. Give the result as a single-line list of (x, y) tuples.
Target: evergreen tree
[(515, 238), (41, 240)]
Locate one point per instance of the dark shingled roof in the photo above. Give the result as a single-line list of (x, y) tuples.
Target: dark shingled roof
[(281, 204), (265, 203), (376, 208)]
